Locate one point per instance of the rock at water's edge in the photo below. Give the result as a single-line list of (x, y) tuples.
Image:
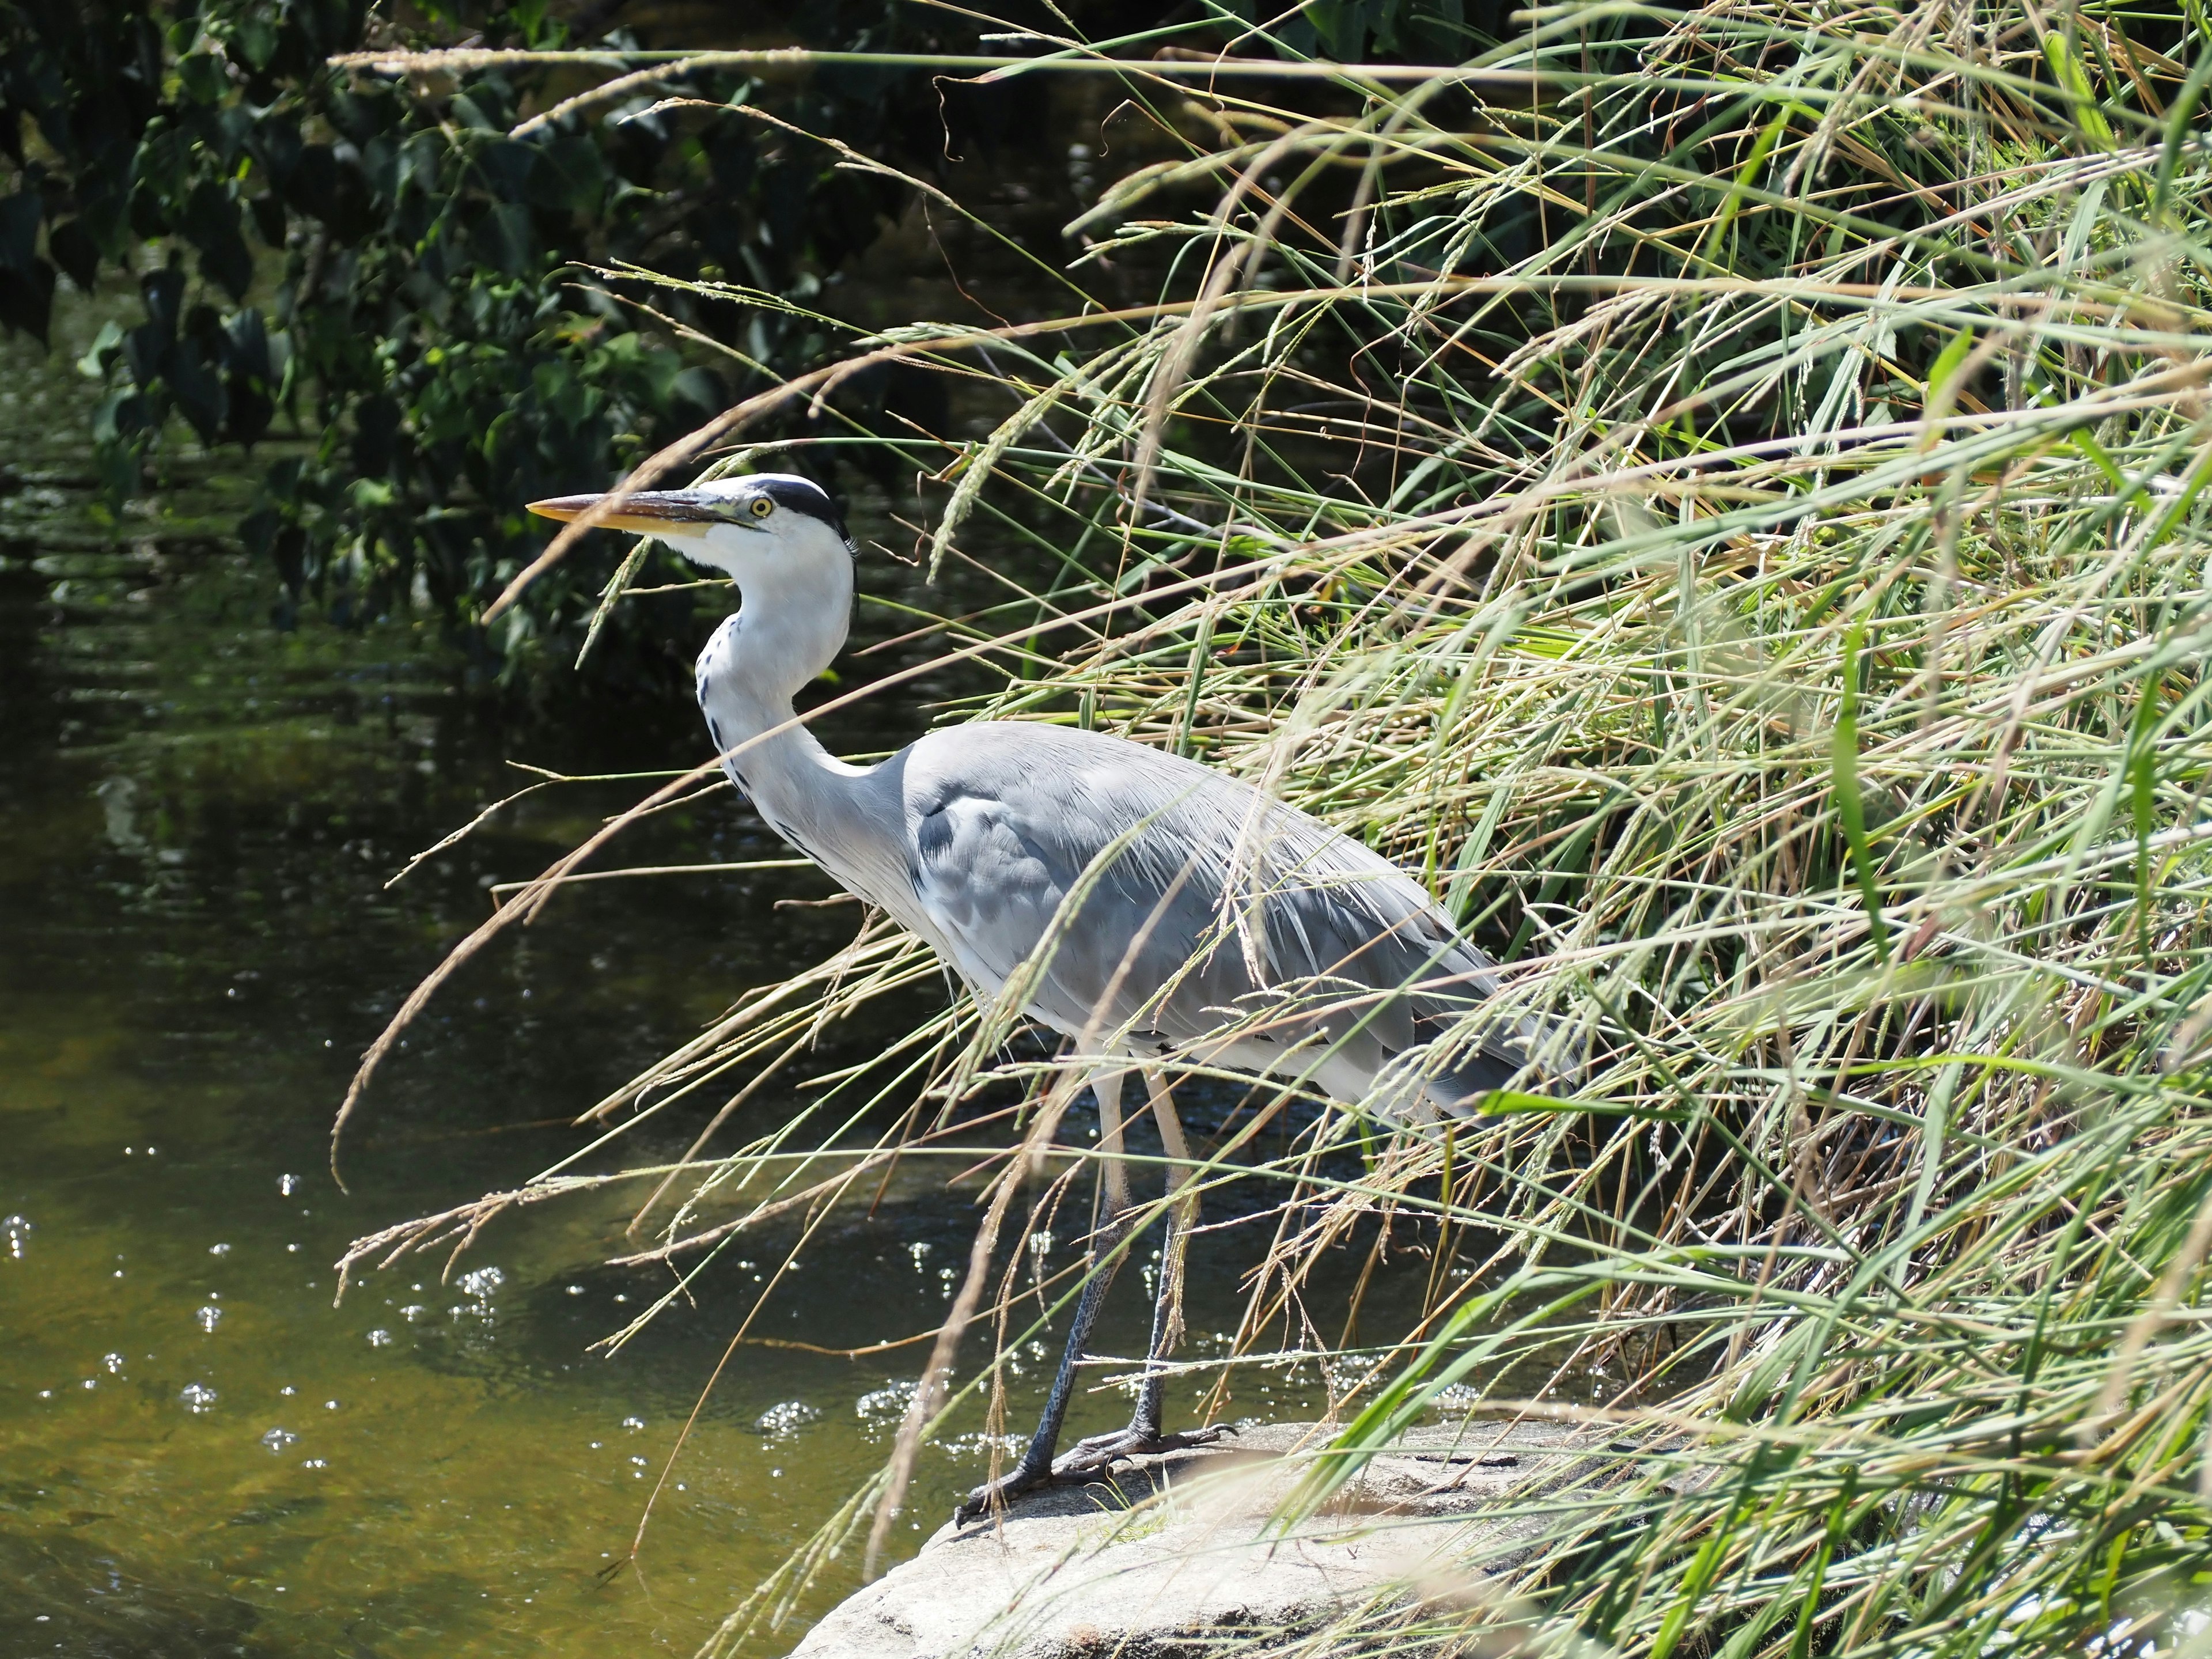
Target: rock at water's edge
[(1075, 1571)]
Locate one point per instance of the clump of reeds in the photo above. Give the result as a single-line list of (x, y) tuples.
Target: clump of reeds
[(1719, 493)]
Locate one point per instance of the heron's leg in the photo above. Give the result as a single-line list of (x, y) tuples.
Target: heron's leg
[(1035, 1467), (1167, 1302), (1145, 1433)]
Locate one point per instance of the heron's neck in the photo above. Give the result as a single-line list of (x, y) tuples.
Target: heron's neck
[(751, 669), (755, 664)]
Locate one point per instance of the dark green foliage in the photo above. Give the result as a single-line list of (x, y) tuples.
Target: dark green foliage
[(382, 263), (422, 290)]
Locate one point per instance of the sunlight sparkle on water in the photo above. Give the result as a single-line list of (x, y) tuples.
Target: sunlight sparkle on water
[(885, 1405), (788, 1418)]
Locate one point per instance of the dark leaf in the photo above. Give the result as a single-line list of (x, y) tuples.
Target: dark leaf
[(210, 224), (75, 252), (246, 345), (233, 124), (250, 410), (467, 113), (255, 39), (149, 215), (504, 241), (146, 349), (699, 393), (257, 531), (376, 435), (569, 176), (26, 299), (100, 210), (269, 218), (277, 145), (203, 328), (162, 170), (119, 464), (19, 230), (361, 115), (199, 393), (122, 415), (289, 552), (506, 165), (163, 291), (312, 181), (201, 75), (350, 212)]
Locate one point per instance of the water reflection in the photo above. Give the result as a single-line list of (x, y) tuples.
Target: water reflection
[(197, 818)]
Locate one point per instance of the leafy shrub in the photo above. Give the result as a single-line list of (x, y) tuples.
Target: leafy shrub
[(414, 279)]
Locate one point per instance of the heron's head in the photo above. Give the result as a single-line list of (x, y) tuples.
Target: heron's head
[(764, 529)]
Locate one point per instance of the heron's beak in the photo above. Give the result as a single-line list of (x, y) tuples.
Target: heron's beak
[(648, 512)]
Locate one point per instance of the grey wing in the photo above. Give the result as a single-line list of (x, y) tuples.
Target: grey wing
[(1200, 906)]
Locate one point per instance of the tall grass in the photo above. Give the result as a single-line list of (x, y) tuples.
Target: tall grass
[(1721, 494)]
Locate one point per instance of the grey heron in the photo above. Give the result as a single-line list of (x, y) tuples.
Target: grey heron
[(1150, 907)]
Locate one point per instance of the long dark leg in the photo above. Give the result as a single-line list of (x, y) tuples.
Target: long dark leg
[(1145, 1433), (1035, 1467)]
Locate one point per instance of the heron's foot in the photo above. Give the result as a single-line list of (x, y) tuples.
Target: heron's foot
[(1024, 1477), (1101, 1451)]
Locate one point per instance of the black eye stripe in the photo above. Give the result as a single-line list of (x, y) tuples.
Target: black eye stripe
[(796, 494)]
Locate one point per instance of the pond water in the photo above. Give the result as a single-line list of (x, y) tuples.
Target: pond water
[(202, 1454)]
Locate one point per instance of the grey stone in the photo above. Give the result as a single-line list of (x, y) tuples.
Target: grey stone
[(1178, 1548)]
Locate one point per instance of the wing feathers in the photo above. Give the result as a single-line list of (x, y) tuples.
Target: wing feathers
[(1222, 907)]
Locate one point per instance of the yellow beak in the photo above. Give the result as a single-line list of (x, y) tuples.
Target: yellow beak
[(648, 512)]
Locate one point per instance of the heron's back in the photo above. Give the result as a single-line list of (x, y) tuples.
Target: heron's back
[(1182, 911)]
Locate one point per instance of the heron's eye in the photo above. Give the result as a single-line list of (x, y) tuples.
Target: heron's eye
[(762, 506)]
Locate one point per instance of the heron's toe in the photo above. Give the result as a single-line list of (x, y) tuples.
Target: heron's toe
[(997, 1494), (1101, 1451)]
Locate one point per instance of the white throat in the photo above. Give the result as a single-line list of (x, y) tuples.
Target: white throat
[(796, 598)]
